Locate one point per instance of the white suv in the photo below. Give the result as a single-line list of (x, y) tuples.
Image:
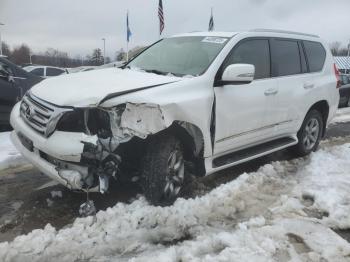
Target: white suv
[(199, 101)]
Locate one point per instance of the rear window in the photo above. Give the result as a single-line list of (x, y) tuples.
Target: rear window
[(316, 55), (285, 57)]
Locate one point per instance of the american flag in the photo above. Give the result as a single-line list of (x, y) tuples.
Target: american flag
[(161, 17)]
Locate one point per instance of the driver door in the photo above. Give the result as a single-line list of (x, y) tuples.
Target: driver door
[(241, 108), (9, 92)]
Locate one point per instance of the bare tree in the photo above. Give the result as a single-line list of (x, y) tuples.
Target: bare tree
[(120, 55), (338, 50), (96, 57), (6, 51), (20, 54)]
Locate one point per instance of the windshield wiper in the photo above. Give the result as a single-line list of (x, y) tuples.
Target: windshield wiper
[(155, 71)]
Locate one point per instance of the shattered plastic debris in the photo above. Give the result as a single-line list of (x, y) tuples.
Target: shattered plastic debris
[(49, 202), (55, 194), (87, 209)]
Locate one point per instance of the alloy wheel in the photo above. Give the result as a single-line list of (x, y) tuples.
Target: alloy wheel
[(311, 133), (176, 174)]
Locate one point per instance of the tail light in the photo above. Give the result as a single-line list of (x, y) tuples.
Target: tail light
[(337, 75)]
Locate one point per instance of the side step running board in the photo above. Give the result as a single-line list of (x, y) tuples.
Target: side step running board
[(253, 152)]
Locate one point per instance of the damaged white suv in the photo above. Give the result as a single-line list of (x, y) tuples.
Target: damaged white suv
[(192, 103)]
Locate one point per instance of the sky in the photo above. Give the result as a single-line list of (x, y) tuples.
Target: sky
[(78, 26)]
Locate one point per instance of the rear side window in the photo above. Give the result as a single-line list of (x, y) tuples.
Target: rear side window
[(53, 71), (285, 58), (38, 71), (255, 52), (316, 55)]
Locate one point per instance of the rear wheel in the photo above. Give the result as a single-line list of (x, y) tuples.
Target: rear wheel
[(163, 169), (310, 133)]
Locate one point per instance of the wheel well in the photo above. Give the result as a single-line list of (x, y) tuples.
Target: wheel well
[(323, 108), (193, 141), (190, 136)]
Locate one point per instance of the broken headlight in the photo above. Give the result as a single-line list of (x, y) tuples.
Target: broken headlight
[(91, 121)]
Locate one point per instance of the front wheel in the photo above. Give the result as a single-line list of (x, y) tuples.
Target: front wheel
[(163, 169), (310, 133)]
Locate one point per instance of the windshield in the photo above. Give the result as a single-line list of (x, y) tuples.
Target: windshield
[(180, 56)]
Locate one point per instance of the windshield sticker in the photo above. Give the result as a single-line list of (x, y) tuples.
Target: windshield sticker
[(215, 40)]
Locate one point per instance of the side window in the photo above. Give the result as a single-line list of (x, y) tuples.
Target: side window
[(316, 55), (285, 57), (53, 71), (255, 52), (38, 71)]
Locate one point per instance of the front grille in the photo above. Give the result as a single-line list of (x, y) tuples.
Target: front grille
[(40, 115)]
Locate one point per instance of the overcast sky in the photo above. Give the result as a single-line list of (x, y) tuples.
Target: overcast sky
[(77, 26)]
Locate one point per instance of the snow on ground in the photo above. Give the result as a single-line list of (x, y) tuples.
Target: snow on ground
[(9, 156), (282, 212), (343, 115)]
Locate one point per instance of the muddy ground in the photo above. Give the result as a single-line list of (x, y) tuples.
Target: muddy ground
[(30, 200)]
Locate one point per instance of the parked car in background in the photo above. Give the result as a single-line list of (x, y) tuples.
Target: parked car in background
[(344, 91), (201, 101), (81, 69), (14, 82), (113, 64), (45, 71)]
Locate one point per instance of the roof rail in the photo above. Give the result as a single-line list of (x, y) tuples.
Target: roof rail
[(282, 31)]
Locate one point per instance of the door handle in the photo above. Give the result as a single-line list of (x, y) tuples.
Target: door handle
[(309, 85), (271, 92)]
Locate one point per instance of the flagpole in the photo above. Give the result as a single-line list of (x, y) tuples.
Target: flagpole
[(127, 38)]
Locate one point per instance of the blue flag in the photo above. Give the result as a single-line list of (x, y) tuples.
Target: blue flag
[(128, 31)]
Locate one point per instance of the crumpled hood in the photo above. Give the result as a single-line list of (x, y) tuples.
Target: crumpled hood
[(91, 87)]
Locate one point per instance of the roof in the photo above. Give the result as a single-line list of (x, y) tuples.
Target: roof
[(217, 34), (342, 62), (259, 30)]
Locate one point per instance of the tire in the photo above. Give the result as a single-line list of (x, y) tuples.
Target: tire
[(310, 133), (163, 169), (348, 102)]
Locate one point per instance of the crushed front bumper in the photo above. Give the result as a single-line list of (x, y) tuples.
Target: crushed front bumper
[(66, 147)]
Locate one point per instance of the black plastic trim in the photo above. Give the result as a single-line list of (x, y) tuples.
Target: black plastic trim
[(251, 151)]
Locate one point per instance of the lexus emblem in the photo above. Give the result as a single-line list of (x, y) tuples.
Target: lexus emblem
[(29, 112)]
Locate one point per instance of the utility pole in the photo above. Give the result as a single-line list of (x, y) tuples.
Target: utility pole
[(104, 50), (1, 41)]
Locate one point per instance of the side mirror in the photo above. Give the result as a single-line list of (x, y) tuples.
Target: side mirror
[(11, 79), (238, 74)]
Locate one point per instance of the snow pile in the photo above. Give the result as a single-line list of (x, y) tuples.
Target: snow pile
[(9, 156), (281, 212), (342, 116)]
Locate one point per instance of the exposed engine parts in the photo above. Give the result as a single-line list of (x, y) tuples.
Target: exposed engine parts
[(110, 134)]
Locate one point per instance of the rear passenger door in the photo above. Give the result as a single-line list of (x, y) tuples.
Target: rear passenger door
[(289, 68)]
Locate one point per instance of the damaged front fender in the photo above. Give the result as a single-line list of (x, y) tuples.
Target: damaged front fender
[(139, 120)]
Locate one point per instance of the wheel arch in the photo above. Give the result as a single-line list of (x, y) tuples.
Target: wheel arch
[(322, 107), (192, 139)]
